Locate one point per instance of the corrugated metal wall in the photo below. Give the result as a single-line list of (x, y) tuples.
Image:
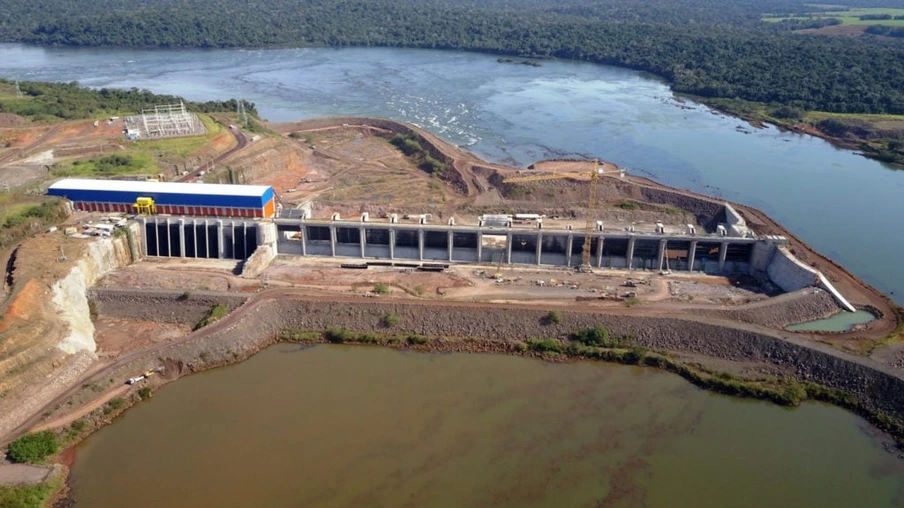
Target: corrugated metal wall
[(200, 199)]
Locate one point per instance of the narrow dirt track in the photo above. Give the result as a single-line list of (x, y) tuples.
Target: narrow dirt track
[(240, 143), (25, 150)]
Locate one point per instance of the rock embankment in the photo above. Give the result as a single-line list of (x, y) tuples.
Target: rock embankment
[(258, 323), (781, 311), (187, 308)]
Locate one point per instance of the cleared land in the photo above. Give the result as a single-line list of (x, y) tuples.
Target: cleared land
[(850, 16)]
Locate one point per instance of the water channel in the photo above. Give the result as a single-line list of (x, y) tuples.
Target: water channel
[(841, 322), (343, 426), (846, 206)]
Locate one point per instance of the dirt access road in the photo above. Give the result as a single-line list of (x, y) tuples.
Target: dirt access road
[(241, 141)]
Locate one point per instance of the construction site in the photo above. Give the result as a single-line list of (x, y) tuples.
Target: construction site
[(361, 213)]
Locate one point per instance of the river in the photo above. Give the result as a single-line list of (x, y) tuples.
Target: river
[(351, 426), (846, 206)]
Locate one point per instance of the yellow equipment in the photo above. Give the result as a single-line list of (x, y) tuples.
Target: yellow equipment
[(144, 206), (591, 201)]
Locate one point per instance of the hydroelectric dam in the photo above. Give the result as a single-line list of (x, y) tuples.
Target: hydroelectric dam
[(731, 248)]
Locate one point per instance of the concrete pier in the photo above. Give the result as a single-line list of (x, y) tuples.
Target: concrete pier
[(479, 246), (662, 248), (569, 246), (630, 254), (539, 253), (723, 254), (599, 252), (691, 256), (508, 248)]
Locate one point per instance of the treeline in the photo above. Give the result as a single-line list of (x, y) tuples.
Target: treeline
[(711, 48), (888, 31), (879, 17), (72, 101), (804, 23)]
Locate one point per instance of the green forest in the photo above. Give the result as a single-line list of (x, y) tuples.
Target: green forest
[(708, 48), (70, 101)]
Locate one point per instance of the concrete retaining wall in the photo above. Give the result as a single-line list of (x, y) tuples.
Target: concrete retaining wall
[(790, 274)]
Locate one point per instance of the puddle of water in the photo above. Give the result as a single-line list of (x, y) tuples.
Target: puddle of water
[(841, 322)]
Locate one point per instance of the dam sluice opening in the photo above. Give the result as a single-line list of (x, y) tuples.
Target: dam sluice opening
[(200, 239)]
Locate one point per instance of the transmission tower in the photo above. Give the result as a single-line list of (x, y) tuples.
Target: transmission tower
[(18, 90), (241, 114)]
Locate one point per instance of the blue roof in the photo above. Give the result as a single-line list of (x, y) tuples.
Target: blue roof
[(163, 193)]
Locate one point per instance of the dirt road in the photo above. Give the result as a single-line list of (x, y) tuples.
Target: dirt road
[(240, 143)]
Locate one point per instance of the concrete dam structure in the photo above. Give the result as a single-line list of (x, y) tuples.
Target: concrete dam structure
[(187, 237), (731, 249), (554, 247)]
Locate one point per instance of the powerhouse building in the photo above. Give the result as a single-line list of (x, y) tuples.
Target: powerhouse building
[(205, 199)]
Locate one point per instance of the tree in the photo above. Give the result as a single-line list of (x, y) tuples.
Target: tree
[(33, 447)]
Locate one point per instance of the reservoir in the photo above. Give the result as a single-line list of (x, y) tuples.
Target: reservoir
[(846, 206), (351, 426)]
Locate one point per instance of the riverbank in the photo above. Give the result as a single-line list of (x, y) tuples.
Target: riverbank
[(751, 360), (779, 390), (878, 137), (742, 360)]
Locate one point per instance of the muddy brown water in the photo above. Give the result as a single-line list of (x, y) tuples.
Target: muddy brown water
[(346, 426)]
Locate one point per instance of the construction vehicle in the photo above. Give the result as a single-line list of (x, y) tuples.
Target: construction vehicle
[(497, 273), (591, 202), (144, 206), (147, 374)]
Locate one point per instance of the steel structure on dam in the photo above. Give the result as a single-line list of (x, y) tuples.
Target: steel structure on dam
[(513, 245)]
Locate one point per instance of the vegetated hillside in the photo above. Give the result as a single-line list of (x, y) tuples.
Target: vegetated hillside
[(44, 101), (711, 48)]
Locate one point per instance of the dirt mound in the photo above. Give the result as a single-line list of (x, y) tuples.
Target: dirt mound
[(23, 306), (11, 120)]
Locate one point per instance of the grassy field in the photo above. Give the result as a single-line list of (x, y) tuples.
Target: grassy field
[(877, 136), (822, 115), (850, 16), (7, 90), (127, 163), (143, 157)]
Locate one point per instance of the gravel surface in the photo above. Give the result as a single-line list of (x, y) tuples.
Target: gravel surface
[(805, 305)]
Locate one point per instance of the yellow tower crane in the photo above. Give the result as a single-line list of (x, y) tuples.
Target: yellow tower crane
[(591, 201)]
